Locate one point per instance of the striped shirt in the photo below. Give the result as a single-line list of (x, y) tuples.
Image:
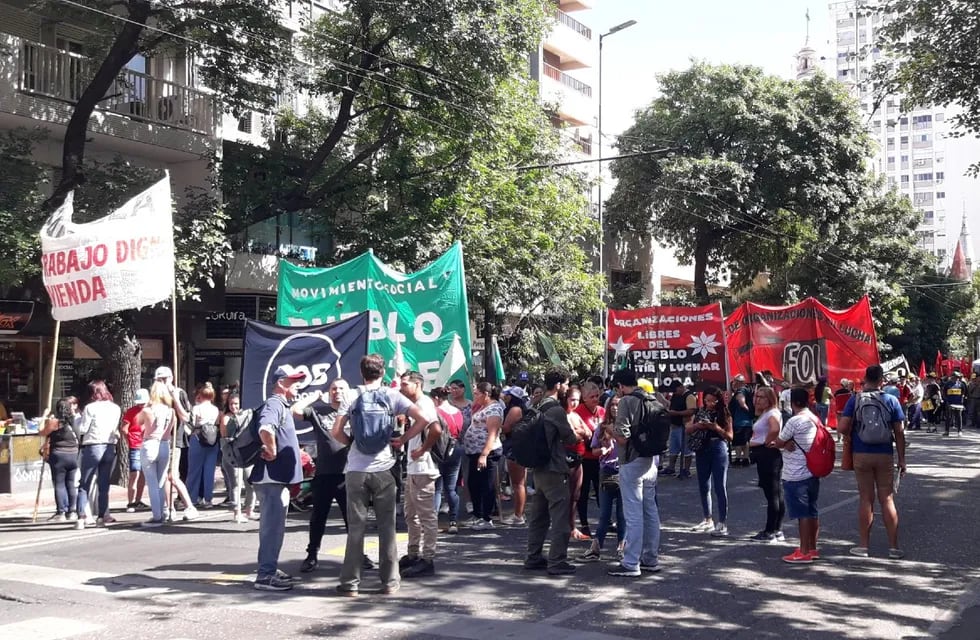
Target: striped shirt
[(802, 429)]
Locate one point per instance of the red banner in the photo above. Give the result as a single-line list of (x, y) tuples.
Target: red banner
[(664, 344), (799, 343)]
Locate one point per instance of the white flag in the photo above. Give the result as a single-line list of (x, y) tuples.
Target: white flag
[(454, 361), (124, 260)]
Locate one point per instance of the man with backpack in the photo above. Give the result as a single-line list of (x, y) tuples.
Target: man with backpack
[(551, 502), (874, 420), (422, 473), (277, 467), (639, 442), (800, 487), (371, 415)]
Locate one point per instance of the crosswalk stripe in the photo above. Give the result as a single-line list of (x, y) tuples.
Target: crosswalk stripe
[(46, 628), (370, 544)]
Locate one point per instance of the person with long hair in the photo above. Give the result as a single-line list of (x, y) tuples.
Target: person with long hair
[(605, 446), (156, 422), (515, 403), (481, 442), (576, 452), (768, 462), (98, 434), (63, 459), (714, 423), (449, 469), (232, 421), (821, 399), (592, 413), (203, 455)]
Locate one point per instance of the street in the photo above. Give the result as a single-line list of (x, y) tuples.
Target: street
[(193, 580)]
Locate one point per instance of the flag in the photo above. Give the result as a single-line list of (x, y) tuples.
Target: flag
[(922, 370), (549, 349), (398, 364), (498, 376), (454, 360), (124, 260), (939, 363)]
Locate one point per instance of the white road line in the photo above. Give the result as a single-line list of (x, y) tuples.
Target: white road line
[(46, 629), (72, 537)]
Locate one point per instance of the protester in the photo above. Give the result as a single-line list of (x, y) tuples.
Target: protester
[(550, 503), (232, 421), (98, 434), (449, 469), (515, 404), (63, 460), (637, 484), (592, 414), (277, 467), (368, 475), (874, 464), (203, 453), (954, 398), (605, 447), (179, 441), (743, 412), (575, 454), (768, 463), (156, 423), (682, 407), (711, 457), (821, 399), (134, 438), (800, 486), (481, 443)]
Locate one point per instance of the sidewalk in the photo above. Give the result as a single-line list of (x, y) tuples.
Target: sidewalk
[(13, 505)]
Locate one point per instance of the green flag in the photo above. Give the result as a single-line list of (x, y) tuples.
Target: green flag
[(498, 376), (422, 315), (549, 348)]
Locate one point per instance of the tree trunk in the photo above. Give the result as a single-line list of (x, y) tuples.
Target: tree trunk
[(701, 249), (114, 339)]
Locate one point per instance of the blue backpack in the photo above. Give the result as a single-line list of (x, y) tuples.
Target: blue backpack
[(372, 421)]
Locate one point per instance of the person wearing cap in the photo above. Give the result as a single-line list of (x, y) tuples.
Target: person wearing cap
[(181, 405), (954, 395), (277, 467), (134, 438)]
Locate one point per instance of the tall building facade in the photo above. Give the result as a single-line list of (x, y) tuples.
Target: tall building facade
[(916, 152)]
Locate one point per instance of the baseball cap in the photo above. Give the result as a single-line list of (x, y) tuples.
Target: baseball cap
[(282, 373), (645, 384), (738, 378), (515, 391), (142, 396), (163, 372)]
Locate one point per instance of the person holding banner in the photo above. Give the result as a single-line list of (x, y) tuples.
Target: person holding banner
[(63, 459)]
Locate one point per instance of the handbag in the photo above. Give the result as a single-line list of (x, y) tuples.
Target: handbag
[(609, 482), (698, 440)]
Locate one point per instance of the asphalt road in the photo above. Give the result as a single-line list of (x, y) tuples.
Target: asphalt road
[(192, 581)]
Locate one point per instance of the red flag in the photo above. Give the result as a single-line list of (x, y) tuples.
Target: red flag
[(922, 370), (939, 363)]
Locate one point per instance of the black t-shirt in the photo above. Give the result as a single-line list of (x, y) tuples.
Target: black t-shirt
[(64, 439), (678, 402), (331, 456)]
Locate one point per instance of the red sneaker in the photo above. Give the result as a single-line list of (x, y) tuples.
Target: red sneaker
[(815, 554), (798, 557)]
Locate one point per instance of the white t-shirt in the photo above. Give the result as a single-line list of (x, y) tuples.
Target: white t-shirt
[(424, 466), (383, 460), (802, 429), (761, 427), (100, 423), (204, 413), (784, 400)]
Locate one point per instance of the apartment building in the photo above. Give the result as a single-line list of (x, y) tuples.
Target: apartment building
[(916, 152)]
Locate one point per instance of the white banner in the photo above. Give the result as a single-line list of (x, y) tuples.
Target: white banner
[(122, 261)]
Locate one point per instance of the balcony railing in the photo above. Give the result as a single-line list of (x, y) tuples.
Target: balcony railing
[(558, 75), (573, 24), (51, 72), (584, 144)]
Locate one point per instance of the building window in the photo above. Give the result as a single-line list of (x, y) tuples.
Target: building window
[(245, 123), (940, 195), (905, 179)]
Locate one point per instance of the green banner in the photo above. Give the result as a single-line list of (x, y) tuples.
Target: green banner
[(418, 320)]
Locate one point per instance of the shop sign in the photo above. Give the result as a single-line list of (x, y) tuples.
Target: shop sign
[(230, 323), (14, 315)]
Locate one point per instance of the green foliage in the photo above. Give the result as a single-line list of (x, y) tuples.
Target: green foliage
[(21, 216), (941, 314), (934, 57), (964, 331), (757, 159)]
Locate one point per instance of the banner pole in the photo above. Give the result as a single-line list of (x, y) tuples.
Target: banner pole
[(177, 427), (47, 410)]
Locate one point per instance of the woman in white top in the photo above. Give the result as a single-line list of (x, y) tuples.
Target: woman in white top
[(157, 421), (203, 449), (481, 442), (98, 434), (768, 462)]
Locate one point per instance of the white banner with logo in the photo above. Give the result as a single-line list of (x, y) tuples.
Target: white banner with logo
[(124, 260)]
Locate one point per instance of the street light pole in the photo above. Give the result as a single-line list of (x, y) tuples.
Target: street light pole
[(602, 228)]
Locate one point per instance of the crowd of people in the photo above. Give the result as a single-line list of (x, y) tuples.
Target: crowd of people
[(404, 448)]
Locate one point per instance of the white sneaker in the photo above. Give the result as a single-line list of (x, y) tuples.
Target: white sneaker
[(514, 521), (444, 508), (704, 525), (720, 530), (239, 518), (190, 513), (483, 524)]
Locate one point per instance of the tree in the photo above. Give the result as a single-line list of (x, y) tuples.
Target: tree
[(753, 161), (933, 51), (964, 332), (940, 312)]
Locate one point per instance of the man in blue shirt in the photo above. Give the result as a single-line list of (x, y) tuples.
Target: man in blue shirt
[(278, 467), (874, 464)]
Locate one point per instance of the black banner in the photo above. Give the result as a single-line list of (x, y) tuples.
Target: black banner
[(322, 353)]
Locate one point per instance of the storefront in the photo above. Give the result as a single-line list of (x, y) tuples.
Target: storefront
[(21, 359), (219, 359)]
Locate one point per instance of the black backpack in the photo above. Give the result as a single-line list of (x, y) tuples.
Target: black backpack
[(529, 440), (649, 437), (443, 448)]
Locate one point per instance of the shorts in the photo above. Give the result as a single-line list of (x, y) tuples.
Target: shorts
[(134, 461), (801, 497), (742, 435), (874, 472)]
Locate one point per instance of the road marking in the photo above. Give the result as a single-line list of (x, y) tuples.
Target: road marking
[(91, 581), (46, 628), (73, 537), (371, 544)]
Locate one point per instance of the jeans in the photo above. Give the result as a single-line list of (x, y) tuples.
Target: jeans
[(272, 526), (549, 509), (327, 487), (822, 411), (420, 516), (63, 466), (678, 442), (638, 486), (712, 464), (483, 487), (914, 415), (449, 480), (590, 481), (606, 499), (362, 488), (96, 464), (769, 466), (154, 458), (202, 461)]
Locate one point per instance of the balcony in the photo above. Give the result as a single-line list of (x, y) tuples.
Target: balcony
[(573, 24), (573, 97), (559, 76), (52, 73), (571, 41), (583, 144)]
